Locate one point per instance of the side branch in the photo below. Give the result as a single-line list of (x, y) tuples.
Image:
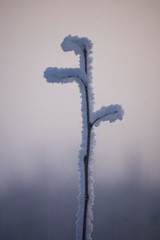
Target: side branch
[(64, 75), (100, 118)]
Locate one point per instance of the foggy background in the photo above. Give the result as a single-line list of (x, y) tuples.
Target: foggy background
[(40, 123)]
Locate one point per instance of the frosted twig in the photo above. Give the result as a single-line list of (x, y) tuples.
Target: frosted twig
[(83, 76)]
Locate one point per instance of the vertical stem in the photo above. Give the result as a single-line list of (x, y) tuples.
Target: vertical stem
[(86, 157)]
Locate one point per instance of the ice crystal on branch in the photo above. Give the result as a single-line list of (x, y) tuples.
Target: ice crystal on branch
[(76, 44), (83, 76), (64, 75), (110, 113)]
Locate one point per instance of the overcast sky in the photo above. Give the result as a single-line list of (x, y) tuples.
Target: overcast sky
[(40, 123)]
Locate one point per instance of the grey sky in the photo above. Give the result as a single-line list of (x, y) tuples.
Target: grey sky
[(36, 116)]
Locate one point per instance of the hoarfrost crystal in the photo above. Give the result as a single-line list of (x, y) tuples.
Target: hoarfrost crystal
[(83, 76)]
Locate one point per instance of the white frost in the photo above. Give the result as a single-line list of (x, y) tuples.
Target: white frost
[(76, 44), (64, 75), (83, 76), (110, 113)]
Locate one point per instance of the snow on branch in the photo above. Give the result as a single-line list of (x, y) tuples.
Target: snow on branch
[(110, 113), (76, 44), (64, 75)]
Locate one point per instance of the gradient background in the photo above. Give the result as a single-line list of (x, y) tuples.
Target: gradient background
[(40, 123)]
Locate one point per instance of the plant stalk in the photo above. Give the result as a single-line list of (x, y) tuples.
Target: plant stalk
[(86, 157)]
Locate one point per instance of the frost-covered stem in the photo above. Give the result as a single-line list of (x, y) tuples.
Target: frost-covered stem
[(82, 47), (86, 157), (101, 118)]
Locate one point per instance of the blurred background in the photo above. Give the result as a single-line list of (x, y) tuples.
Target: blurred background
[(40, 123)]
